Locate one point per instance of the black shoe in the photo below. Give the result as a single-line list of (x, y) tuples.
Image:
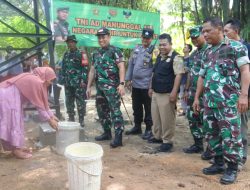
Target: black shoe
[(182, 114), (214, 169), (136, 130), (105, 136), (244, 159), (193, 149), (147, 134), (165, 147), (206, 155), (154, 140), (229, 176), (72, 118), (118, 140), (81, 124)]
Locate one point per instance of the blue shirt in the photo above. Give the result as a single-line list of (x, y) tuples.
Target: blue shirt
[(140, 68), (186, 65)]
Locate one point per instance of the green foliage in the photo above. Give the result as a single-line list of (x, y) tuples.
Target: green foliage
[(143, 5), (239, 9), (172, 11), (19, 23)]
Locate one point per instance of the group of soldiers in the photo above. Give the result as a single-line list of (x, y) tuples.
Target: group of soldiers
[(216, 91)]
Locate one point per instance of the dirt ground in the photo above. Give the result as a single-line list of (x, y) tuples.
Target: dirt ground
[(130, 167)]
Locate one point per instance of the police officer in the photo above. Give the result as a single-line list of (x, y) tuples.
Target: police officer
[(224, 79), (61, 26), (195, 120), (109, 72), (73, 75), (139, 71)]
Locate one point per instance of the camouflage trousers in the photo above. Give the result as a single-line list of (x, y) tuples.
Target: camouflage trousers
[(108, 108), (195, 121), (244, 129), (223, 133), (77, 94)]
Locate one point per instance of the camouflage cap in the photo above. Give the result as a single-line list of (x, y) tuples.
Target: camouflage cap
[(71, 38), (63, 9), (102, 31), (195, 31)]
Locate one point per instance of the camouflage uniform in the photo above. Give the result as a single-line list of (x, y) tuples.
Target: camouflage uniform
[(61, 28), (73, 74), (108, 103), (195, 120), (220, 70)]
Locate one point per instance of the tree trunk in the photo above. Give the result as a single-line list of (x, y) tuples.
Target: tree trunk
[(242, 12), (182, 21), (133, 5), (197, 13), (225, 9), (236, 9), (204, 9)]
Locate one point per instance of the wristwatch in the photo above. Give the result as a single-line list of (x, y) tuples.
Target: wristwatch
[(122, 83)]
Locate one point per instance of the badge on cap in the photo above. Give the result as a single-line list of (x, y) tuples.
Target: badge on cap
[(146, 33)]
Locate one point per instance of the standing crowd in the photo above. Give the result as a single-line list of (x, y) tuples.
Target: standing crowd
[(212, 83)]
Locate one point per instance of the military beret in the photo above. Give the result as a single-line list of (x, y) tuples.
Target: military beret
[(147, 33)]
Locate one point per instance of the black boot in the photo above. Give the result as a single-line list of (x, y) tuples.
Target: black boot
[(230, 174), (118, 139), (148, 133), (197, 147), (136, 130), (105, 136), (81, 123), (71, 118), (207, 155), (216, 168)]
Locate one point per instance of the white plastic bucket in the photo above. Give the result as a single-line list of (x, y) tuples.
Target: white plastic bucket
[(84, 166), (67, 134)]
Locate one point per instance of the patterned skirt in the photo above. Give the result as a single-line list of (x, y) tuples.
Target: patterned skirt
[(11, 118)]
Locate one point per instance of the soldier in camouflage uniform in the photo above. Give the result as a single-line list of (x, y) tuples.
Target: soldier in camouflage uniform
[(195, 120), (61, 26), (232, 31), (73, 76), (224, 79), (109, 72)]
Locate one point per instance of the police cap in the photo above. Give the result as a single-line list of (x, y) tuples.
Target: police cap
[(102, 31), (147, 33)]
